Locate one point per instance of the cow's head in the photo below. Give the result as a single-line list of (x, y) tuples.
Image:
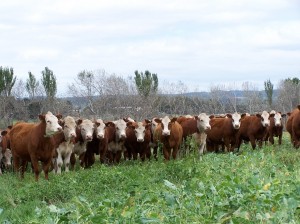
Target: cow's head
[(203, 122), (153, 124), (277, 119), (140, 130), (120, 126), (6, 158), (52, 125), (166, 123), (100, 128), (265, 118), (236, 120), (69, 127), (86, 129)]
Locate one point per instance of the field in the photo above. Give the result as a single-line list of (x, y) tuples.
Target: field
[(260, 186)]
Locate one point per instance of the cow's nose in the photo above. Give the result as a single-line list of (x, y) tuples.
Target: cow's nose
[(89, 138), (101, 136), (73, 135), (236, 126), (208, 127), (59, 128), (140, 140)]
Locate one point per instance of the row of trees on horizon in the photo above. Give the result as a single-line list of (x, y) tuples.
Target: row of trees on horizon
[(97, 94)]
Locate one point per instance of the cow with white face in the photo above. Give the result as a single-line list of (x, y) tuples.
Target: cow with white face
[(265, 121), (275, 129), (65, 148), (236, 120), (100, 128), (84, 134), (138, 139), (52, 125), (116, 147), (203, 126)]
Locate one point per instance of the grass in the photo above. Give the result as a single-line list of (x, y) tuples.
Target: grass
[(260, 186)]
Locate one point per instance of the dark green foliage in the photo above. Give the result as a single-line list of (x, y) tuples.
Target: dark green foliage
[(49, 83), (146, 83), (269, 91), (31, 85), (7, 81)]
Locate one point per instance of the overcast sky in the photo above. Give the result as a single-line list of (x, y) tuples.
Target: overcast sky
[(199, 42)]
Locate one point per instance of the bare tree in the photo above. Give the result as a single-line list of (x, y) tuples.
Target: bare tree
[(253, 99), (289, 94)]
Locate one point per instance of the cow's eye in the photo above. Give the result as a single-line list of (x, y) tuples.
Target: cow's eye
[(66, 126)]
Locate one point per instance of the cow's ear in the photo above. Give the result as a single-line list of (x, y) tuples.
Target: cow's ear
[(9, 127), (61, 122), (59, 116), (96, 123), (289, 113), (129, 123), (258, 115), (148, 126), (229, 115), (3, 133), (42, 117), (212, 116), (298, 107), (79, 121), (243, 115), (147, 121), (283, 115), (272, 115), (157, 120), (174, 119), (125, 119), (109, 124)]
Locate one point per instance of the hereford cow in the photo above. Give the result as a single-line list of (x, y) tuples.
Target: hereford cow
[(5, 152), (253, 128), (169, 133), (138, 140), (223, 131), (34, 142), (200, 136), (66, 141), (293, 126), (276, 127), (84, 134), (116, 146)]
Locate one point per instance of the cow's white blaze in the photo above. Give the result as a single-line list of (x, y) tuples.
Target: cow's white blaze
[(52, 125), (69, 128), (265, 121), (165, 121), (203, 122), (153, 125), (140, 132), (277, 119), (87, 129), (236, 120), (120, 128), (100, 129)]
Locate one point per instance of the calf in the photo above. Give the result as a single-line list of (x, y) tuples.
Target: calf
[(223, 131), (252, 128), (203, 126), (66, 143), (138, 139), (169, 133), (34, 142), (276, 128), (84, 134), (293, 126)]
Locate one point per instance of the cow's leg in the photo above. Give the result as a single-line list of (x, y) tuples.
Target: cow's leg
[(23, 167), (16, 162), (59, 163), (174, 152), (166, 153), (67, 161), (35, 164), (46, 166), (72, 161), (279, 139), (202, 149), (252, 140), (118, 156), (155, 152), (103, 152)]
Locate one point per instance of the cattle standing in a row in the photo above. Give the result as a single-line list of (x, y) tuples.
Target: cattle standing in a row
[(34, 142), (293, 126)]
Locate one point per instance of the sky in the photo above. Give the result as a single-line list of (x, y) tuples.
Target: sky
[(201, 43)]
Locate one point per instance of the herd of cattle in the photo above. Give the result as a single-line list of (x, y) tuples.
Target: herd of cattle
[(57, 141)]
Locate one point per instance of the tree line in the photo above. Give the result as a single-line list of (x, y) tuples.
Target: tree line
[(97, 94)]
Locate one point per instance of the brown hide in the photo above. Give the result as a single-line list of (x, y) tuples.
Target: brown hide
[(29, 144), (171, 141), (293, 126), (189, 126), (251, 130), (221, 133), (134, 147)]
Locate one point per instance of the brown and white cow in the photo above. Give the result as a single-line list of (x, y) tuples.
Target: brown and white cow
[(169, 133), (116, 146), (66, 145), (253, 128), (223, 131), (293, 126), (276, 127), (5, 152), (34, 142), (138, 139), (84, 134), (200, 136)]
